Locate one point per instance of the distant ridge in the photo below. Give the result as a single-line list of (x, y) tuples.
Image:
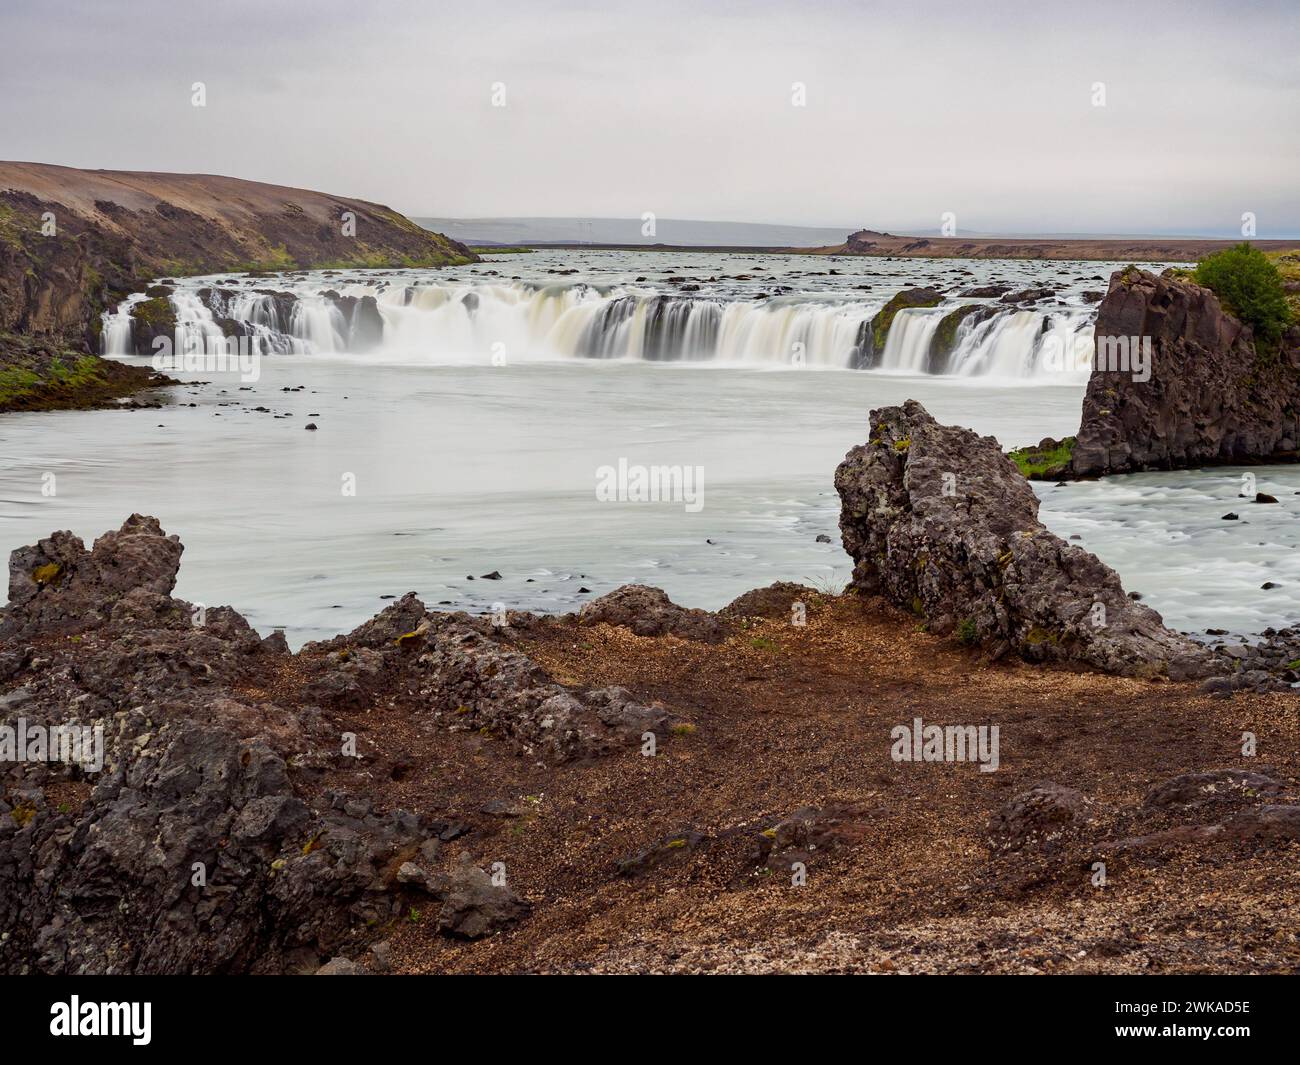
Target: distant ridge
[(677, 232), (685, 234)]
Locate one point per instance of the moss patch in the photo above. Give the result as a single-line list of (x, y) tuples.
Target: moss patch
[(967, 632), (945, 334), (1038, 463), (47, 574)]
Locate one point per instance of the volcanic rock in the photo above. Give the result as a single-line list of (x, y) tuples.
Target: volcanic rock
[(1212, 395), (649, 612), (940, 521), (774, 601)]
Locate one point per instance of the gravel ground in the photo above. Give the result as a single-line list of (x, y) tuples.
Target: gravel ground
[(899, 873)]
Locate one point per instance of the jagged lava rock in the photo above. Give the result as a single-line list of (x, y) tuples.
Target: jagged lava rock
[(940, 521), (202, 841), (649, 612), (57, 585)]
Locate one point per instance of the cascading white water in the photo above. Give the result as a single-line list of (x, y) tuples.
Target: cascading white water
[(115, 336), (1011, 345), (479, 322), (907, 348), (319, 325), (196, 328)]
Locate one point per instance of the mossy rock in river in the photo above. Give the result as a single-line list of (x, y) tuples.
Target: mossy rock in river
[(944, 340), (150, 319), (872, 335)]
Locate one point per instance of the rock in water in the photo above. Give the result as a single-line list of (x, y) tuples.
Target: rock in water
[(1208, 395), (940, 521)]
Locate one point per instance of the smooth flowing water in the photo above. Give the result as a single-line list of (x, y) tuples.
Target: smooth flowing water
[(435, 463)]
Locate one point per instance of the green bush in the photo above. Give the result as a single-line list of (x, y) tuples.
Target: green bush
[(1250, 286)]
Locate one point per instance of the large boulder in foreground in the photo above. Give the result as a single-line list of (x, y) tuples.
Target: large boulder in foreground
[(1213, 395), (940, 521)]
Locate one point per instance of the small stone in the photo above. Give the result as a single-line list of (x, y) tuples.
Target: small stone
[(410, 873), (381, 957), (1230, 516)]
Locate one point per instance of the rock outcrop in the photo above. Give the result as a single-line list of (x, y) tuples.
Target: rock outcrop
[(42, 374), (1050, 832), (944, 341), (467, 680), (1212, 396), (191, 828), (648, 611), (778, 600), (939, 521)]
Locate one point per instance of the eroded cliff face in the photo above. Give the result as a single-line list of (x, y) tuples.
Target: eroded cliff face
[(1211, 394), (74, 241)]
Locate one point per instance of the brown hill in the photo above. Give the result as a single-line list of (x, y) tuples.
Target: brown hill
[(114, 230)]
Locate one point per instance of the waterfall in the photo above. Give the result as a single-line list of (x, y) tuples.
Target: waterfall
[(477, 322), (115, 337), (1010, 345), (907, 348)]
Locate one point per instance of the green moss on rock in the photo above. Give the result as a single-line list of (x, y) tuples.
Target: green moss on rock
[(1049, 460), (905, 300)]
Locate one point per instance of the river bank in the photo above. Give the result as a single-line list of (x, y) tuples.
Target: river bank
[(43, 375)]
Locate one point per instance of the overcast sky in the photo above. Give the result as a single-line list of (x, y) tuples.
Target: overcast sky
[(612, 109)]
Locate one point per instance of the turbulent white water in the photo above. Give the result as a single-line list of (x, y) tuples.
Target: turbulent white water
[(741, 318)]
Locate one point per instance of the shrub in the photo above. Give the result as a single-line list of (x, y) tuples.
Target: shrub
[(1250, 287)]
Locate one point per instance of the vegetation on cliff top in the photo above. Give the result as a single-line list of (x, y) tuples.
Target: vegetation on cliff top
[(1250, 286), (1288, 265)]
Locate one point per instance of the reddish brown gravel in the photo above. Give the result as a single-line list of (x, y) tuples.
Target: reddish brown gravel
[(780, 717)]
